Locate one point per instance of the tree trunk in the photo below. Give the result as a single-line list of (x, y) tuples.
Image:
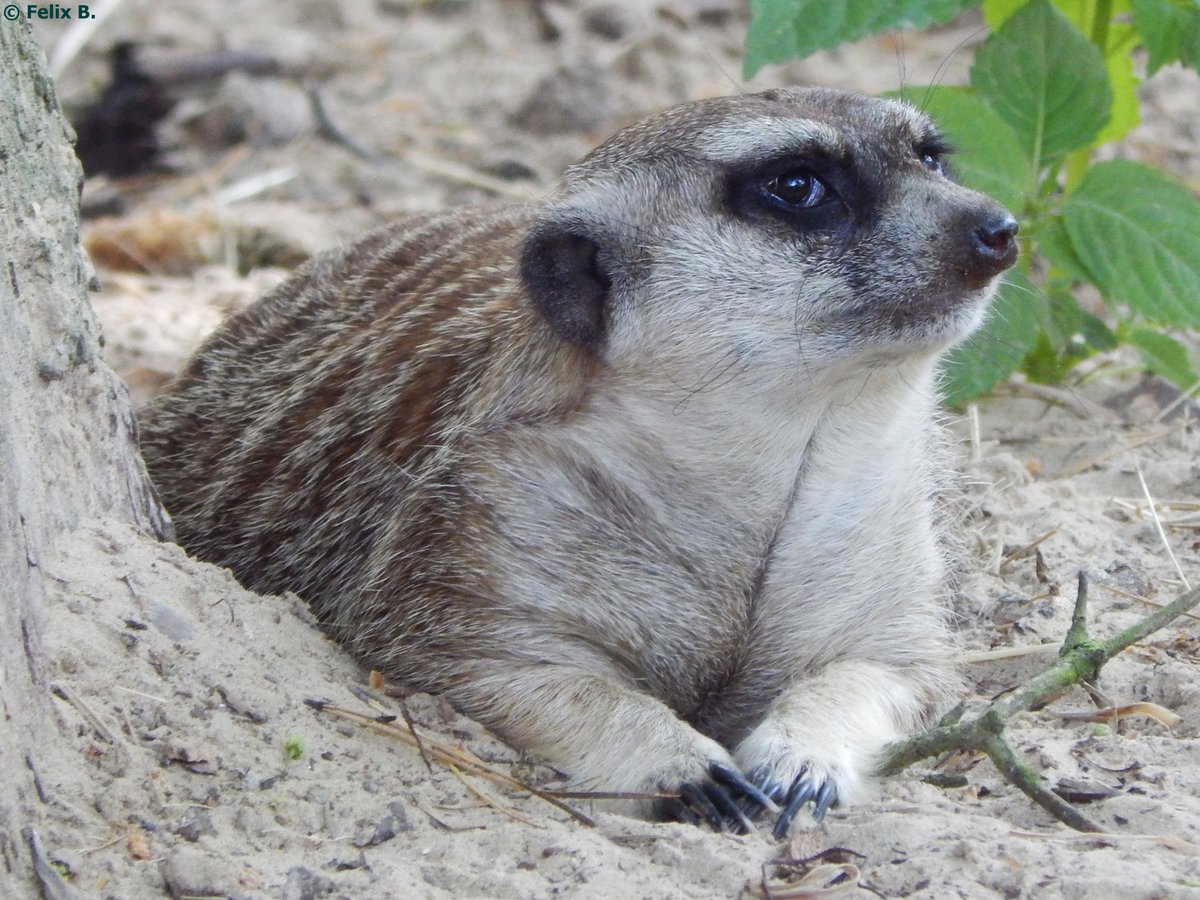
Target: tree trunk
[(68, 450)]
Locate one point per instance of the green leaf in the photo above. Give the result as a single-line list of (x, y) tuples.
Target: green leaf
[(790, 29), (1044, 364), (1069, 334), (1061, 319), (989, 157), (997, 12), (1164, 356), (995, 351), (1137, 233), (1053, 243), (1170, 29), (1095, 333), (1119, 40), (1046, 80), (1074, 331), (1078, 12)]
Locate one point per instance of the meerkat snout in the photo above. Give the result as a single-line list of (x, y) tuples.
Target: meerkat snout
[(644, 477)]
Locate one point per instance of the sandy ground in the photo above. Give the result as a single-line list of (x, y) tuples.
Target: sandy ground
[(190, 764)]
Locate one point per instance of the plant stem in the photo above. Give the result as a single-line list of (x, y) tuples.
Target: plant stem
[(1029, 782), (1101, 17), (1077, 633), (1080, 659), (1156, 620)]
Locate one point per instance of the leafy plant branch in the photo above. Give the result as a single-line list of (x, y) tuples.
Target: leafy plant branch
[(1080, 660)]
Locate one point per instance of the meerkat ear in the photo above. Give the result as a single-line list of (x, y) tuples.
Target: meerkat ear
[(561, 264)]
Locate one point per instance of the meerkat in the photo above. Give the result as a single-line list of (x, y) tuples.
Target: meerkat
[(644, 476)]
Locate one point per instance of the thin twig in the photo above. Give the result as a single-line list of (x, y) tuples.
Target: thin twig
[(980, 656), (447, 754), (412, 729), (1162, 534), (1066, 398), (1032, 545), (331, 130), (255, 185), (976, 433), (52, 884), (1145, 601), (1184, 397), (1158, 619), (1169, 841), (1115, 452), (98, 726), (488, 800), (611, 795), (1077, 633)]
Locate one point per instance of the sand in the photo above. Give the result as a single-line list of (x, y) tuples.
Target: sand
[(189, 763)]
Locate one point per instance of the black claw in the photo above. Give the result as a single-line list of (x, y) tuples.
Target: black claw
[(727, 800), (826, 797), (777, 792), (697, 799), (675, 810), (733, 819), (760, 776), (803, 789), (730, 777)]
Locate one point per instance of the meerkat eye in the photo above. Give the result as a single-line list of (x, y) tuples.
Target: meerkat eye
[(932, 154), (933, 162), (796, 189)]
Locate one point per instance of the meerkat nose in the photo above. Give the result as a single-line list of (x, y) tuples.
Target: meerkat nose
[(995, 243)]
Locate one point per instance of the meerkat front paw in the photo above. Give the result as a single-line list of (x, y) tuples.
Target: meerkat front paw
[(825, 761), (809, 784), (823, 738), (800, 760)]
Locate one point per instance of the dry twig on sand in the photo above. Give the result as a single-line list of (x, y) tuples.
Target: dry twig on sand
[(1079, 660), (444, 753)]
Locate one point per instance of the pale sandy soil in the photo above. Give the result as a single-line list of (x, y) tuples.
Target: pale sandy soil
[(180, 695)]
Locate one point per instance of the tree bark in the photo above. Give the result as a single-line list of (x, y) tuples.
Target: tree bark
[(68, 447)]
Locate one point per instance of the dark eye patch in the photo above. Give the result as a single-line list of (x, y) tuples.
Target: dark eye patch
[(932, 152), (807, 192), (934, 163)]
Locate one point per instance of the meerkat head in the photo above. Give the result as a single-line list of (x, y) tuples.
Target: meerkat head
[(805, 227)]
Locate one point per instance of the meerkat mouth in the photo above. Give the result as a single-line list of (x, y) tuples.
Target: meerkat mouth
[(951, 316)]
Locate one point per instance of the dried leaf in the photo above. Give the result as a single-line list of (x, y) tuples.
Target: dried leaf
[(960, 761), (137, 842), (1160, 714), (830, 873), (827, 880), (1079, 790)]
